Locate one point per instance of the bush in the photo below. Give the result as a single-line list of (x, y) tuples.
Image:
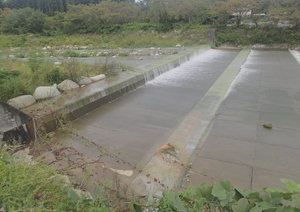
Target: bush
[(22, 21), (55, 76)]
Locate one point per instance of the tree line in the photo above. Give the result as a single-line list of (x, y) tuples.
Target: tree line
[(88, 16)]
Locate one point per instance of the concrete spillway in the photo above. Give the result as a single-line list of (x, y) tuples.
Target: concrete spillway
[(141, 122)]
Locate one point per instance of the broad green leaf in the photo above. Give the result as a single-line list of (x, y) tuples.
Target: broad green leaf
[(296, 201), (243, 193), (137, 207), (150, 199), (73, 195), (243, 205), (292, 186), (97, 192), (221, 188), (206, 191), (254, 195), (276, 198), (262, 206), (174, 198)]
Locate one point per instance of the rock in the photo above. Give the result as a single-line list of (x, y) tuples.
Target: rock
[(84, 81), (23, 156), (21, 101), (98, 77), (178, 45), (44, 92), (12, 56), (57, 63), (152, 48), (67, 85)]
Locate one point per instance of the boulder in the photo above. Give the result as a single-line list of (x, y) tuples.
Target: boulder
[(152, 48), (98, 77), (84, 81), (67, 85), (178, 45), (21, 101), (44, 92)]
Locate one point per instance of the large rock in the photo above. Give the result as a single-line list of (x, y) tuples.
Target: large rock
[(21, 101), (67, 85), (44, 92), (84, 81), (98, 77)]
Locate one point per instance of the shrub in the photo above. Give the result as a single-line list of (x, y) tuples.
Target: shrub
[(55, 76), (22, 21)]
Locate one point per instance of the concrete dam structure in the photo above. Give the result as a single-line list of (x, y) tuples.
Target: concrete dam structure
[(197, 115)]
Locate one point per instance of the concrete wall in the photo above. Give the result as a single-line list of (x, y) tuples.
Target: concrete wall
[(14, 125)]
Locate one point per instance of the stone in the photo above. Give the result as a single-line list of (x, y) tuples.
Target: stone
[(21, 101), (178, 45), (67, 85), (84, 81), (44, 92), (152, 48), (98, 77), (57, 63), (12, 56)]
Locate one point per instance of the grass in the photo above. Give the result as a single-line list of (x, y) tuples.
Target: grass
[(127, 38)]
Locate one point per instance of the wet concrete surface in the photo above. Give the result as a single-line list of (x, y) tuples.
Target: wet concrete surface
[(137, 124), (238, 148)]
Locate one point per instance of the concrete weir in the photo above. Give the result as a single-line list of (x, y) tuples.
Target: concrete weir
[(77, 103), (187, 137)]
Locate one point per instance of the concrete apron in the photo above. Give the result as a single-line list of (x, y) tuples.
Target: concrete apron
[(187, 137), (77, 103)]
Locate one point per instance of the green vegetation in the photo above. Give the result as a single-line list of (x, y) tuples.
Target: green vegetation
[(28, 186), (35, 186), (223, 196), (260, 35), (22, 77)]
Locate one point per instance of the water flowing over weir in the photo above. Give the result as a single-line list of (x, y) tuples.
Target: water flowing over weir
[(80, 102), (138, 124), (152, 74)]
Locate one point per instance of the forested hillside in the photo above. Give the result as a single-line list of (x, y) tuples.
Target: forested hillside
[(93, 16)]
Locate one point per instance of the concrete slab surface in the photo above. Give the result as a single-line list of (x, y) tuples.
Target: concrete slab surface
[(237, 146), (136, 125)]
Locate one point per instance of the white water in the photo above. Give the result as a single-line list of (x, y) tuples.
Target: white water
[(245, 72), (189, 71)]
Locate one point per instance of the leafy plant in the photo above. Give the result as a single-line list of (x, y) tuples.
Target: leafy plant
[(225, 197)]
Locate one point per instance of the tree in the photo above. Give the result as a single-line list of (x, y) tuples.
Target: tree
[(24, 20), (220, 9), (239, 8)]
